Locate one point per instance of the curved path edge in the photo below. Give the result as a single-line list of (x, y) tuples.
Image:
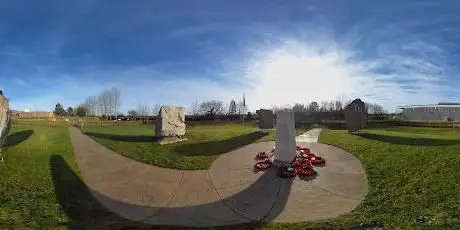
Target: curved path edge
[(228, 193)]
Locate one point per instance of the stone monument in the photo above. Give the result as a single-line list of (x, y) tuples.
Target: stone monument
[(5, 122), (170, 127), (266, 119), (285, 146), (355, 115)]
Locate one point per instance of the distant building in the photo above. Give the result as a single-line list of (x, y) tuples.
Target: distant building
[(443, 111), (32, 114)]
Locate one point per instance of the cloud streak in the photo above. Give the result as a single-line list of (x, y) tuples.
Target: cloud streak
[(275, 63)]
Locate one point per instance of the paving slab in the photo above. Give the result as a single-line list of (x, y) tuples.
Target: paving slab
[(237, 167), (348, 185), (253, 201), (147, 189), (196, 188), (307, 203), (211, 214), (122, 208), (309, 136)]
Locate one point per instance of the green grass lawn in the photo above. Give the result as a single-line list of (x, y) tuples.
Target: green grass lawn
[(204, 143), (411, 187), (414, 176), (40, 187)]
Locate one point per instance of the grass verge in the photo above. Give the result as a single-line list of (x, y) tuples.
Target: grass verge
[(414, 177), (204, 143)]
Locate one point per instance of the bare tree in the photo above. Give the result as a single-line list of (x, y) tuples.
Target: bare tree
[(100, 105), (114, 99), (90, 105), (313, 107), (225, 109), (374, 108), (331, 106), (299, 108), (324, 106), (195, 108), (241, 108), (211, 108), (338, 105), (156, 109), (103, 104), (142, 111)]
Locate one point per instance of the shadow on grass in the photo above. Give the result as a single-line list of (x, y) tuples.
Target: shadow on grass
[(18, 137), (409, 140), (218, 147), (84, 211), (123, 138)]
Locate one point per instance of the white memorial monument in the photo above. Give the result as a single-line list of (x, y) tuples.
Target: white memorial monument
[(285, 147)]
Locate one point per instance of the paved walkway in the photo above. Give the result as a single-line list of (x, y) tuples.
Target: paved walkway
[(228, 193), (309, 136)]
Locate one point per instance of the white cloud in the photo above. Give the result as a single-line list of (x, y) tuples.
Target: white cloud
[(276, 70)]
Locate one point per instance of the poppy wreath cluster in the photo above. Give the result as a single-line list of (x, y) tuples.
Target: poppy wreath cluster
[(263, 161), (301, 166), (262, 155), (313, 158)]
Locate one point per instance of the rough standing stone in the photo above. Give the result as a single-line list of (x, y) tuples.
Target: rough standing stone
[(171, 124), (5, 122), (285, 150), (355, 115), (266, 119)]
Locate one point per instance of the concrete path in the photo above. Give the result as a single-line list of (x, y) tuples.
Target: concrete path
[(228, 193), (309, 136)]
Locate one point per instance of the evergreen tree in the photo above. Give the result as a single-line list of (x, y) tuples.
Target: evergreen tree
[(59, 110)]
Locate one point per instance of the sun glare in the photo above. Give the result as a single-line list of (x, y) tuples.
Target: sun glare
[(288, 75)]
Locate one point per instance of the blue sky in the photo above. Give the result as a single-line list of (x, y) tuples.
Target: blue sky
[(276, 52)]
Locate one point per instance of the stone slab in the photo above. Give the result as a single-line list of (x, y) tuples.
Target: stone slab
[(5, 120), (266, 119), (171, 122)]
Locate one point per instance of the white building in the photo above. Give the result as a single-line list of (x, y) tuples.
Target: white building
[(438, 112)]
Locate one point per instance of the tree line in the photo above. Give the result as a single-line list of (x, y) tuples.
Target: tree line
[(106, 104), (216, 107), (333, 106)]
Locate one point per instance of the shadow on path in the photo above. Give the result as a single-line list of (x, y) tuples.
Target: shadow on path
[(76, 201), (85, 212), (218, 147), (18, 137), (409, 140), (123, 138)]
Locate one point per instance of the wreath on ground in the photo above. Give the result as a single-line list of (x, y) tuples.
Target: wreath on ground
[(302, 165)]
